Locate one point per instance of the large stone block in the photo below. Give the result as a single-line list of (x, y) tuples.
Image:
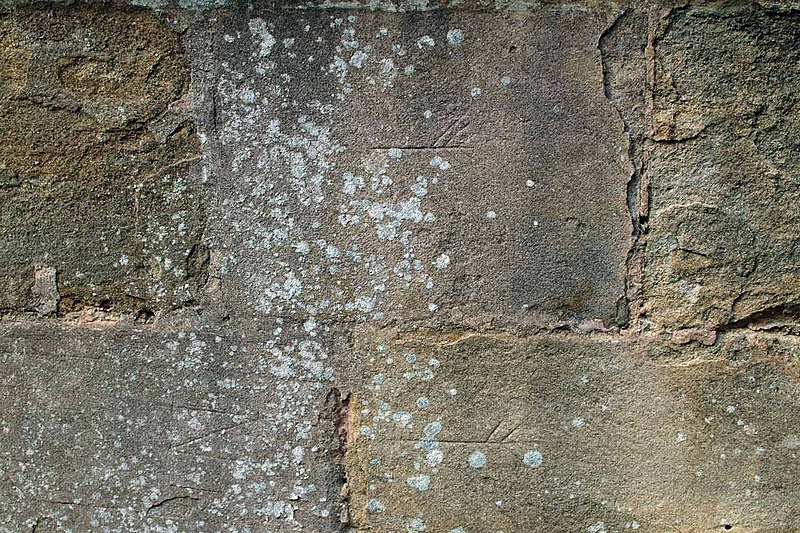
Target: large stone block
[(429, 166), (723, 245), (128, 429), (566, 433), (96, 192)]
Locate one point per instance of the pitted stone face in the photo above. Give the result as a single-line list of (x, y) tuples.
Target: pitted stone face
[(93, 187), (133, 430), (724, 244), (518, 447)]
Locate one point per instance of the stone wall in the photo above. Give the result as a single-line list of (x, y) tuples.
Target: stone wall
[(476, 266)]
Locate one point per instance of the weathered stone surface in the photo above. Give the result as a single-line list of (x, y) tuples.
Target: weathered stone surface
[(123, 429), (563, 433), (399, 266), (370, 169), (724, 237), (90, 187)]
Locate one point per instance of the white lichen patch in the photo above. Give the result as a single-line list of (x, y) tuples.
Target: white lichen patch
[(286, 167), (393, 419), (477, 459), (440, 163), (271, 472), (314, 230), (425, 40), (258, 27), (420, 482), (375, 506), (443, 261), (455, 37), (532, 458)]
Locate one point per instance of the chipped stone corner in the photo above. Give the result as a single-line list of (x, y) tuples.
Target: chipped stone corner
[(45, 291)]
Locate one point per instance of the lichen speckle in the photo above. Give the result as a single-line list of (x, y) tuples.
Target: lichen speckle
[(421, 482), (327, 265), (440, 163), (598, 527), (477, 459), (375, 506), (425, 40), (455, 37), (443, 261), (532, 458), (259, 27)]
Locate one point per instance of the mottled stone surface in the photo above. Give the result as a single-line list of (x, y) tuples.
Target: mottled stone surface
[(559, 433), (183, 429), (420, 167), (724, 167), (410, 266), (91, 185)]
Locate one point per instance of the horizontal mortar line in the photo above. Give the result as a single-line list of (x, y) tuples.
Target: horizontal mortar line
[(113, 362), (421, 325), (433, 148), (477, 441), (166, 327), (366, 7)]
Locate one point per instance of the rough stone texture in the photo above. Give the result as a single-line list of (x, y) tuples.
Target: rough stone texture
[(725, 132), (181, 429), (357, 153), (92, 187), (399, 266), (494, 432)]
